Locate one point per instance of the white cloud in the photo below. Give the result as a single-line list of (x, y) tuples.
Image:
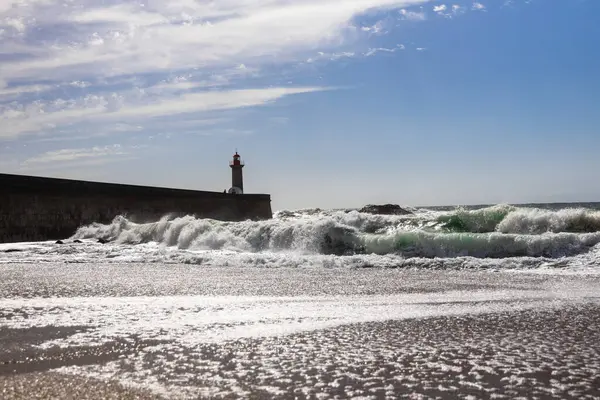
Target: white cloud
[(137, 60), (330, 56), (120, 14), (122, 127), (40, 116), (478, 6), (8, 5), (376, 29), (413, 15), (17, 90), (376, 50), (448, 12), (129, 39), (18, 24), (70, 160), (210, 101), (79, 84), (68, 155)]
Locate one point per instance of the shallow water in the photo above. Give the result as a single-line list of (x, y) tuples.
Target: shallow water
[(499, 301), (501, 237), (184, 331)]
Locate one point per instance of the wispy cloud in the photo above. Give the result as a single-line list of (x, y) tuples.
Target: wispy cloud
[(478, 6), (450, 11), (41, 116), (79, 156), (8, 92), (379, 28), (75, 154), (413, 15), (83, 67), (120, 62), (376, 50), (133, 38), (331, 56)]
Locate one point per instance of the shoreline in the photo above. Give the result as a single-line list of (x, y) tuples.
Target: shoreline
[(240, 332), (52, 385), (550, 353)]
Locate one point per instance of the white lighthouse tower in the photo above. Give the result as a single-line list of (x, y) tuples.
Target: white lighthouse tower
[(237, 180)]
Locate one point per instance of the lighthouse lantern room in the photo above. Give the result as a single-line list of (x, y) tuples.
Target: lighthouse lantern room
[(237, 180)]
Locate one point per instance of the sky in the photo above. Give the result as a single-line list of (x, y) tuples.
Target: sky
[(330, 103)]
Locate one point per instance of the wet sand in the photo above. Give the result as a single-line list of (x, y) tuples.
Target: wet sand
[(29, 280), (50, 386), (529, 354), (423, 335)]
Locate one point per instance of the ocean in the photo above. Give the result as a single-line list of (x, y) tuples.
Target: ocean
[(491, 301), (550, 237)]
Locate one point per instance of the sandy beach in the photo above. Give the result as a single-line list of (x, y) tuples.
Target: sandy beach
[(43, 385), (299, 199), (410, 334), (532, 354)]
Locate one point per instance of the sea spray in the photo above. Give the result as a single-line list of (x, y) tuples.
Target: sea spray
[(475, 221), (481, 245), (494, 232), (519, 220), (536, 221)]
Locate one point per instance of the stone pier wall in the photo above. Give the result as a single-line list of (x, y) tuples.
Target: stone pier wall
[(37, 208)]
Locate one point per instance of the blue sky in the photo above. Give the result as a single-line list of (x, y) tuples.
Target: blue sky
[(330, 103)]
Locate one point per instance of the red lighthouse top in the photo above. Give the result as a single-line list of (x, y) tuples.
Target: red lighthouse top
[(236, 160)]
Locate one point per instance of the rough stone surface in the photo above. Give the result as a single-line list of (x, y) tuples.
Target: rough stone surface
[(36, 208), (385, 209)]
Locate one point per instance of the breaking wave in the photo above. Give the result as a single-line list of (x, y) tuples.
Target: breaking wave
[(494, 232), (530, 221)]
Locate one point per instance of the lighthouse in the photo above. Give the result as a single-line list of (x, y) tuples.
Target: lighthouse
[(237, 181)]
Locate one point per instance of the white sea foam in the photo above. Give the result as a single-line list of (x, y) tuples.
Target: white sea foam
[(536, 221), (188, 339), (202, 319), (219, 330), (353, 232), (498, 237)]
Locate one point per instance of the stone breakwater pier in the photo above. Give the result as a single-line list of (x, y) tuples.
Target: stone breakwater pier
[(38, 208)]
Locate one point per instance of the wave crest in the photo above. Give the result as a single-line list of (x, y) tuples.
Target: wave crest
[(525, 221), (475, 221), (537, 221), (348, 234)]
